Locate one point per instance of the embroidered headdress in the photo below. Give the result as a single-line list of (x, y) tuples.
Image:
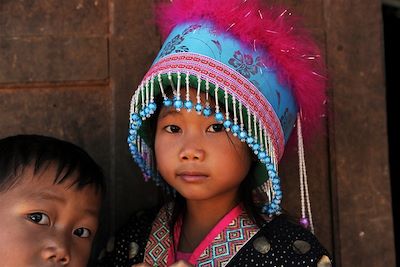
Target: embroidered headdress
[(263, 71)]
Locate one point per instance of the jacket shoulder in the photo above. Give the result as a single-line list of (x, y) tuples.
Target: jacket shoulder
[(282, 242)]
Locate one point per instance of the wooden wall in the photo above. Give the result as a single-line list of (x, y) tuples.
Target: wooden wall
[(68, 69)]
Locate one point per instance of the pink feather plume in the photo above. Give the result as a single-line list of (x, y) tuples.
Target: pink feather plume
[(291, 51)]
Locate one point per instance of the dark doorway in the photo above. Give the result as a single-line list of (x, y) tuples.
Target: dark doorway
[(391, 18)]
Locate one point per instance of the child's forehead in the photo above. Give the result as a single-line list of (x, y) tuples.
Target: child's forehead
[(40, 187), (48, 175)]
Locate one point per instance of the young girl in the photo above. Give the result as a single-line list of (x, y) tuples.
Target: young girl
[(209, 123)]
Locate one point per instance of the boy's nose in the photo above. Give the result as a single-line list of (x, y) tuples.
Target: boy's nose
[(56, 253)]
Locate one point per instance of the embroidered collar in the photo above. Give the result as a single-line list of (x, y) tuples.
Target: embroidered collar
[(220, 245)]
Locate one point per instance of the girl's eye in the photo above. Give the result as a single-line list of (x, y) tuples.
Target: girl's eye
[(215, 128), (82, 232), (172, 128), (39, 218)]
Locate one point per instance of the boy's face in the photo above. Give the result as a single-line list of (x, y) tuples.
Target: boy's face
[(46, 224)]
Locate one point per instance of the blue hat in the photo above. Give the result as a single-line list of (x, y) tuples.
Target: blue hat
[(248, 80)]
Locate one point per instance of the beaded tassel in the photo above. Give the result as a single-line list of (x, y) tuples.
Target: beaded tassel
[(142, 96), (242, 133), (261, 153), (152, 104), (188, 103), (207, 109), (250, 138), (304, 195), (167, 102), (198, 107), (235, 127), (256, 146), (227, 122), (178, 104), (218, 115), (171, 82)]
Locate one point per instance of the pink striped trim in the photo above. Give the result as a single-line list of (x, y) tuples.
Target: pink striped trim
[(237, 85)]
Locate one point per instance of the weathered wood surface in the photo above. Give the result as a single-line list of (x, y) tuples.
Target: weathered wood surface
[(358, 138)]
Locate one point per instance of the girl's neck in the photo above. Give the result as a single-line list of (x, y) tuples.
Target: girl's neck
[(199, 218)]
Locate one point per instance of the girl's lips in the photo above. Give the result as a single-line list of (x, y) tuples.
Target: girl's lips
[(192, 176)]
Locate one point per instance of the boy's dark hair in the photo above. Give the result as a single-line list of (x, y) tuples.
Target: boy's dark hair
[(20, 151)]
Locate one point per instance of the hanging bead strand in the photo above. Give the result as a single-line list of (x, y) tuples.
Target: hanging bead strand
[(178, 104), (198, 107), (218, 115), (207, 109), (227, 122), (188, 103)]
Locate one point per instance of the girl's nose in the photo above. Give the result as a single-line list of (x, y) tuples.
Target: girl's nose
[(191, 152), (56, 252)]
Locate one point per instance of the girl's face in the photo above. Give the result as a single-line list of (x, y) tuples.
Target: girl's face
[(197, 157)]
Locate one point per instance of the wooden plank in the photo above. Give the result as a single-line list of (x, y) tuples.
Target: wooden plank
[(133, 46), (79, 114), (358, 137), (43, 17), (50, 59)]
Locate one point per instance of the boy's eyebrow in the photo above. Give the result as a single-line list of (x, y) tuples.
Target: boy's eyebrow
[(47, 196), (51, 196)]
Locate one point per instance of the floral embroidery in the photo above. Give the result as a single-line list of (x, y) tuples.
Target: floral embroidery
[(174, 44), (245, 64), (287, 120)]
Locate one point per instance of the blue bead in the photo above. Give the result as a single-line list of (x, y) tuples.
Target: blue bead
[(276, 187), (278, 197), (270, 167), (250, 140), (276, 201), (188, 104), (256, 146), (142, 113), (274, 206), (135, 117), (227, 124), (198, 107), (167, 102), (219, 116), (152, 107), (235, 128), (147, 110), (261, 155), (275, 181), (207, 112), (271, 173), (267, 159), (132, 132), (178, 104), (137, 124), (242, 135)]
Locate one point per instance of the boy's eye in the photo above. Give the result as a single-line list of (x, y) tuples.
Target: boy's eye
[(82, 232), (215, 128), (172, 128), (39, 218)]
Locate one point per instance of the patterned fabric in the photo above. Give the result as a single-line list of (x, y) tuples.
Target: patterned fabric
[(278, 243), (227, 243), (159, 240)]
